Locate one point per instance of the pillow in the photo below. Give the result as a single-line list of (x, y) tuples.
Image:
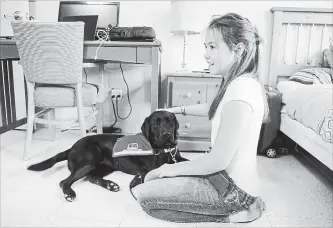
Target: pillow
[(314, 75), (302, 77), (328, 55)]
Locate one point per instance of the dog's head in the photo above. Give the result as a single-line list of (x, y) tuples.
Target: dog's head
[(160, 129)]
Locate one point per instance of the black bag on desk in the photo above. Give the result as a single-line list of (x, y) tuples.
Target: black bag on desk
[(132, 34), (270, 129)]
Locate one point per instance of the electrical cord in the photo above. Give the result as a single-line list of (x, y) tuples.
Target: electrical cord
[(161, 48), (93, 127), (128, 98), (112, 129), (98, 49), (116, 70), (86, 74), (115, 109), (122, 118), (115, 115)]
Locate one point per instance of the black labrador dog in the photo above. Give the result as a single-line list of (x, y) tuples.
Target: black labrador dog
[(91, 156)]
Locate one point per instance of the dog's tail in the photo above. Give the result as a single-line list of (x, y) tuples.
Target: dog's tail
[(50, 162)]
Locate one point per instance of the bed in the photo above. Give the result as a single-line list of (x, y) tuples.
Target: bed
[(299, 70)]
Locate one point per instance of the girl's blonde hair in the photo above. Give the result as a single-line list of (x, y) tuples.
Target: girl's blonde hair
[(235, 29)]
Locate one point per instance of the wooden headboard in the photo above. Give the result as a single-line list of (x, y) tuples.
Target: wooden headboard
[(299, 37)]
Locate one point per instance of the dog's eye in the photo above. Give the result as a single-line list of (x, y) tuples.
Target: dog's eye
[(169, 120)]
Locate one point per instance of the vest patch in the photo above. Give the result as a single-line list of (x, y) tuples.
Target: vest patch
[(132, 145)]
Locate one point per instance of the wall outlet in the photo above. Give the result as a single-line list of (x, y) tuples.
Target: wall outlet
[(116, 93)]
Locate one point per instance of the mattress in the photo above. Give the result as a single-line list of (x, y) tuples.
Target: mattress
[(308, 140)]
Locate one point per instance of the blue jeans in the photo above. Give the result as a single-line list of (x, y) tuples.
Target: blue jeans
[(195, 199)]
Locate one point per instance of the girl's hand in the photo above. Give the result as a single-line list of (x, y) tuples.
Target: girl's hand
[(157, 173)]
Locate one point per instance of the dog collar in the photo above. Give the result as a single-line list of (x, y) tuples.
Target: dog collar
[(169, 150)]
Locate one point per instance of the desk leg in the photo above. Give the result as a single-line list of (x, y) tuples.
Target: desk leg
[(155, 78)]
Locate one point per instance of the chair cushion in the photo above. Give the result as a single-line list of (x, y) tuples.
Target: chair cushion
[(47, 95)]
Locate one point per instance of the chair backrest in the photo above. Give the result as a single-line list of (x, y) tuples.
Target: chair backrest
[(50, 52)]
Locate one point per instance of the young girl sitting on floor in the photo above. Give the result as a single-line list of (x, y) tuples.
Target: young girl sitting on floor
[(223, 185)]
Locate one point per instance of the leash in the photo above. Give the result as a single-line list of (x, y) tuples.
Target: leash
[(137, 176), (173, 156)]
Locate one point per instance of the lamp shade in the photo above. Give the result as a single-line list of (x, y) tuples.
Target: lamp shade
[(182, 18)]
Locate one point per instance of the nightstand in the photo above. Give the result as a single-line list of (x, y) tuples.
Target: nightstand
[(189, 88)]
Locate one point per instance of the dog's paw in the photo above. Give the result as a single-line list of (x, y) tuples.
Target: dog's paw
[(111, 186), (69, 195), (69, 198)]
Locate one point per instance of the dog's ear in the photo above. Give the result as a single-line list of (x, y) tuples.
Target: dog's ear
[(145, 128), (176, 121), (177, 125)]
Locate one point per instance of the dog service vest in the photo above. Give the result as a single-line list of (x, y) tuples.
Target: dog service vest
[(132, 145)]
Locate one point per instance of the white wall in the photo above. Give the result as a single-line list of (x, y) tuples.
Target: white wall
[(158, 15), (6, 10)]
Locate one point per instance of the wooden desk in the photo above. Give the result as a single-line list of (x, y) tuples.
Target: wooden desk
[(109, 51)]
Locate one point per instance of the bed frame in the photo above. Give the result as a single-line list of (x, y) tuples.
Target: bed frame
[(299, 37)]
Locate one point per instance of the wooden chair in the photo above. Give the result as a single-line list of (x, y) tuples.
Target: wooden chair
[(51, 55)]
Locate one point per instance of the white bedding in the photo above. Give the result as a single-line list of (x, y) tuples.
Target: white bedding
[(310, 105), (305, 115), (308, 139)]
